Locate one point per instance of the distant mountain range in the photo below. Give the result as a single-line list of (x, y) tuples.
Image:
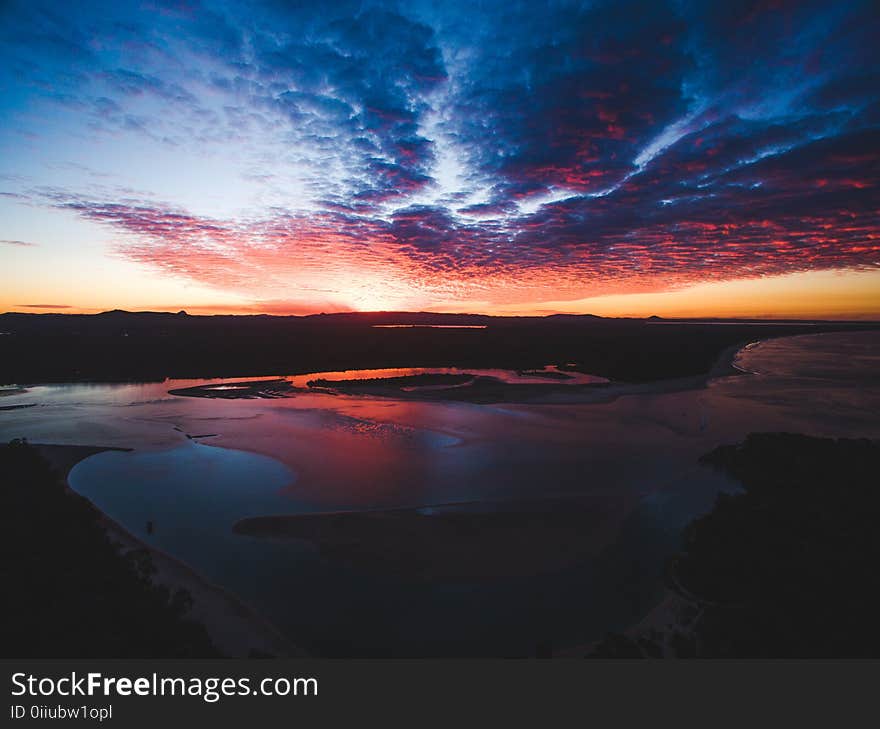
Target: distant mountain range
[(372, 318)]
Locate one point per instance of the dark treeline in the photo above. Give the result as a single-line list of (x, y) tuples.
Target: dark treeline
[(153, 346), (68, 592), (785, 569)]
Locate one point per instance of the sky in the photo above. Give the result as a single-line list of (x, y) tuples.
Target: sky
[(616, 158)]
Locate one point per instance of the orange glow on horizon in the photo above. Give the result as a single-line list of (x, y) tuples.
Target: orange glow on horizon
[(813, 295), (844, 294)]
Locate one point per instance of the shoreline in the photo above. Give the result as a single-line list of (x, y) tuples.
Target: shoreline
[(276, 386), (480, 390), (236, 629), (722, 367)]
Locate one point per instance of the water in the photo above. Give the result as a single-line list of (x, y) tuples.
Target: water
[(191, 495), (630, 465), (548, 374)]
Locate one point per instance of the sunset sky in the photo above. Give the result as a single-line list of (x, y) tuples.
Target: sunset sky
[(615, 158)]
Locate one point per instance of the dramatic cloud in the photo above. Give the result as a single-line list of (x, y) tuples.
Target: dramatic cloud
[(352, 153)]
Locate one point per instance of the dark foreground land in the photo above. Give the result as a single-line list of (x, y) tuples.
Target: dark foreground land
[(68, 591), (785, 569), (118, 346)]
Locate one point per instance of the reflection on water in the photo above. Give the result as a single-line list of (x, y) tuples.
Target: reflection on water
[(549, 373), (429, 326), (191, 495), (822, 356), (629, 464)]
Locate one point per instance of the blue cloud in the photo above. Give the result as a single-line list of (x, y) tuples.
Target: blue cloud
[(598, 138)]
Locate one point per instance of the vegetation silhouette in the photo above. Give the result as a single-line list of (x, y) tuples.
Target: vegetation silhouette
[(787, 568), (126, 346), (68, 590)]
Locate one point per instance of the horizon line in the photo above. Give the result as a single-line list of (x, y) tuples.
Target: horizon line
[(400, 312)]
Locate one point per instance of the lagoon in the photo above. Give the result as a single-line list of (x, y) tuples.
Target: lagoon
[(627, 467)]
